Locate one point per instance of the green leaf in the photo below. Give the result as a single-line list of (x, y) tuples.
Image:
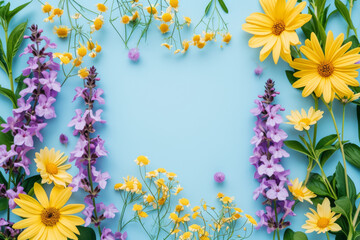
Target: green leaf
[(10, 95), (354, 40), (4, 11), (86, 233), (297, 146), (291, 235), (28, 183), (207, 9), (318, 28), (300, 236), (3, 63), (341, 7), (5, 138), (223, 6), (358, 119), (327, 154), (344, 207), (2, 179), (307, 29), (14, 42), (317, 185), (326, 141), (340, 183), (352, 154), (20, 85), (4, 203), (290, 76), (13, 12)]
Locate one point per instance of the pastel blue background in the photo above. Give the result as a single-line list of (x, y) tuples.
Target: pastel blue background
[(188, 114)]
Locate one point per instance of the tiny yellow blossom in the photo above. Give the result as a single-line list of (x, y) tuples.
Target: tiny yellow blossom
[(101, 7), (77, 62), (92, 54), (174, 3), (227, 199), (98, 22), (58, 12), (46, 8), (177, 51), (143, 214), (62, 31), (174, 217), (97, 48), (81, 51), (137, 207), (179, 208), (220, 195), (142, 161), (209, 36), (196, 39), (171, 175), (125, 19), (184, 202), (185, 236), (166, 45), (194, 228), (227, 38), (152, 174), (161, 170), (251, 219), (118, 186), (164, 28), (166, 17), (186, 45), (151, 10), (83, 73), (201, 44), (76, 16), (135, 16), (187, 21), (195, 215), (90, 45), (178, 189)]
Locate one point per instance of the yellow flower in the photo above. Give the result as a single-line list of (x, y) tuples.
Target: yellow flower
[(125, 19), (98, 22), (62, 31), (251, 219), (349, 98), (65, 58), (171, 175), (276, 29), (330, 72), (58, 12), (201, 44), (304, 120), (161, 170), (90, 45), (166, 17), (209, 36), (239, 210), (152, 174), (184, 202), (135, 16), (186, 236), (227, 38), (92, 54), (101, 7), (49, 19), (143, 214), (186, 45), (151, 10), (83, 73), (323, 220), (174, 3), (236, 216), (137, 207), (227, 199), (164, 28), (220, 195), (130, 185), (118, 186), (166, 45), (76, 16), (81, 51), (48, 218), (77, 62), (149, 198), (179, 208), (187, 21), (178, 189), (196, 39), (50, 166), (142, 161), (195, 215), (195, 209), (174, 217), (97, 48), (194, 228), (301, 192), (46, 8)]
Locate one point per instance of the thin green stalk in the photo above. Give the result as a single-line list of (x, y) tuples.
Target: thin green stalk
[(343, 124), (277, 221), (316, 125), (341, 147), (327, 236), (308, 171), (356, 216)]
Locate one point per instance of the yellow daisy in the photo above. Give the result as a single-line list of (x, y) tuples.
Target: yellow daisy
[(276, 29), (48, 218), (301, 192), (329, 72), (304, 120), (62, 31), (323, 220), (142, 161), (50, 166)]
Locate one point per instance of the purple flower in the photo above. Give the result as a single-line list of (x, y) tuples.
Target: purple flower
[(44, 108), (78, 121), (134, 54), (109, 211), (277, 191), (97, 96), (108, 235), (23, 137), (269, 167), (277, 151), (100, 178), (49, 82), (11, 194), (219, 177), (258, 71), (63, 139)]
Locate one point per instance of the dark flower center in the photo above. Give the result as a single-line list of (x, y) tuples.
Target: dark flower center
[(50, 216), (278, 27), (325, 69)]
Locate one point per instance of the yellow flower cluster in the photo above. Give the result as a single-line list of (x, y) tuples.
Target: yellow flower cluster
[(153, 197)]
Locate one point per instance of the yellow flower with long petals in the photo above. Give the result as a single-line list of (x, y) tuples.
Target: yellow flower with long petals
[(62, 31), (301, 192), (276, 29), (304, 120), (323, 220), (50, 165), (327, 73), (48, 218)]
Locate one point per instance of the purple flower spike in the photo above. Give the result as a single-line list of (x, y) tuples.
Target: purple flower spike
[(64, 139), (134, 54), (267, 155), (219, 177)]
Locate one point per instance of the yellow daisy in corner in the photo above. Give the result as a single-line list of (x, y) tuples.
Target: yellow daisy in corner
[(301, 192), (304, 120), (275, 30), (48, 218), (330, 72), (323, 220), (50, 165), (62, 31)]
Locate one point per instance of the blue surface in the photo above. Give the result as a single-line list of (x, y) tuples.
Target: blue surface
[(188, 114)]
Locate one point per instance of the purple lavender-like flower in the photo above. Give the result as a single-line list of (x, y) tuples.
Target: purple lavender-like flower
[(34, 105), (134, 54), (258, 71), (6, 230), (108, 235), (267, 155), (88, 150), (63, 139), (219, 177)]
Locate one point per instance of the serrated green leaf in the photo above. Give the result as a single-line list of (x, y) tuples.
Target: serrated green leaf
[(14, 42), (223, 6)]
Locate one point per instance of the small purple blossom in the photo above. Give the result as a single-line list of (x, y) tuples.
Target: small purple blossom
[(134, 54), (63, 139), (108, 235), (258, 71), (219, 177), (267, 154), (11, 194)]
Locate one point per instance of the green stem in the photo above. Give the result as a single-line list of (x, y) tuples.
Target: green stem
[(308, 171), (343, 124), (327, 236), (277, 221), (8, 187), (341, 147), (356, 216), (316, 125)]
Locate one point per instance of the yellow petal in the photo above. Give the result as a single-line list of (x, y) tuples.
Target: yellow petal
[(41, 195), (72, 209)]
